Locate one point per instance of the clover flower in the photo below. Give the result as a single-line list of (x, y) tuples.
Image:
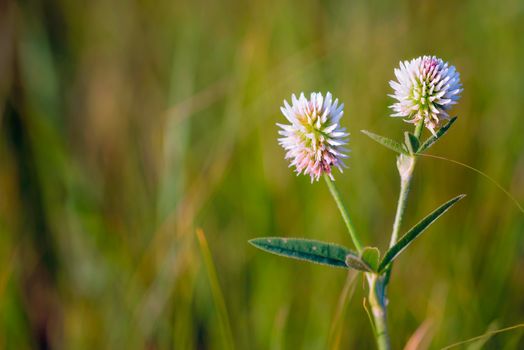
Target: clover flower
[(426, 89), (314, 140)]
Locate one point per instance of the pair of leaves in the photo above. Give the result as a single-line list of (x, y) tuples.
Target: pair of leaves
[(319, 252), (338, 256), (411, 144)]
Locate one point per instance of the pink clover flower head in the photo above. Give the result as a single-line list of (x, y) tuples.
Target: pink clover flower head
[(426, 88), (314, 140)]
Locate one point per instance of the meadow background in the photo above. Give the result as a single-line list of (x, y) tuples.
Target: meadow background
[(128, 125)]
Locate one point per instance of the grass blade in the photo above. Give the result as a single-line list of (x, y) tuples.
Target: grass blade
[(386, 142), (415, 231), (278, 333), (337, 324), (218, 297), (311, 250), (432, 139), (480, 343), (422, 337), (487, 334)]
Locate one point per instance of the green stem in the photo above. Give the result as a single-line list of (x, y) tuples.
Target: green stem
[(378, 309), (381, 336), (345, 216), (406, 173), (378, 287), (378, 284), (401, 207), (405, 182)]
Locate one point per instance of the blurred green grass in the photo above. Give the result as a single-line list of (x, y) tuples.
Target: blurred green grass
[(128, 125)]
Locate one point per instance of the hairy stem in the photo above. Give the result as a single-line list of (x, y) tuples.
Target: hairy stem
[(378, 285), (381, 336), (401, 207), (406, 166), (344, 213), (405, 181), (377, 301)]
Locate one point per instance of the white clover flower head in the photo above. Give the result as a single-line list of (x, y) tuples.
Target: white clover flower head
[(426, 89), (314, 140)]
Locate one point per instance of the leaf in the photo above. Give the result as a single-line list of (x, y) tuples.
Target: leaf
[(415, 231), (357, 263), (411, 142), (371, 256), (432, 139), (310, 250), (386, 142)]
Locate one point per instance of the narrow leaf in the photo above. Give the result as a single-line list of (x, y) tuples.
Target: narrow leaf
[(415, 231), (432, 139), (371, 256), (305, 249), (411, 142), (386, 142)]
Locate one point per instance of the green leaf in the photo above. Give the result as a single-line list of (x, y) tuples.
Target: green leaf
[(411, 142), (415, 231), (306, 249), (384, 141), (356, 262), (371, 256), (432, 139)]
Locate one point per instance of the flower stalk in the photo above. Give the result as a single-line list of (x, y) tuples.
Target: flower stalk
[(377, 297), (343, 211)]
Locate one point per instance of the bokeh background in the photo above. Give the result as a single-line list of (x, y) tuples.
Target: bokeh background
[(128, 125)]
